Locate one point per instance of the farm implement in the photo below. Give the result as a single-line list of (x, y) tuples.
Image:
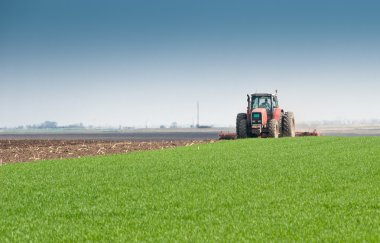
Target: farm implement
[(233, 135)]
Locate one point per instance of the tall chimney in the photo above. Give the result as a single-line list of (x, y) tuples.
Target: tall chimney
[(198, 114)]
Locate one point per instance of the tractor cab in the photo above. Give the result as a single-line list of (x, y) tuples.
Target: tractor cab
[(269, 102)]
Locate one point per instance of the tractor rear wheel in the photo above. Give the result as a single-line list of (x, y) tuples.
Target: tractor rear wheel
[(280, 123), (239, 117), (289, 125), (273, 129), (242, 131)]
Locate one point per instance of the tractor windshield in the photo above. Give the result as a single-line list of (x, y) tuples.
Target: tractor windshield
[(262, 102)]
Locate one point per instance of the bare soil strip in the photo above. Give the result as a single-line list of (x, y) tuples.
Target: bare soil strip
[(114, 136), (12, 151)]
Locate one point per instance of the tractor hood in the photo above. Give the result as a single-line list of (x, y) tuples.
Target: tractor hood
[(263, 115)]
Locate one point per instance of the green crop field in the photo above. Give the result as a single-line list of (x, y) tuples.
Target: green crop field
[(302, 189)]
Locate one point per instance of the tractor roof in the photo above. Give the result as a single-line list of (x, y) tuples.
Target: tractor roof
[(262, 94)]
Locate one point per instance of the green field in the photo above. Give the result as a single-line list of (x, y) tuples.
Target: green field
[(302, 189)]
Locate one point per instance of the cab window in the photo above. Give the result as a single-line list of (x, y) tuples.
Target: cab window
[(262, 102), (255, 102)]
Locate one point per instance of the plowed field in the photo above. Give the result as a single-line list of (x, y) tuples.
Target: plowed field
[(31, 150)]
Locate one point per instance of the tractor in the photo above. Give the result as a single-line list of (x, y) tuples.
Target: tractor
[(264, 118)]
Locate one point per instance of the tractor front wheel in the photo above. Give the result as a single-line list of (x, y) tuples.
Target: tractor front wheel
[(273, 129)]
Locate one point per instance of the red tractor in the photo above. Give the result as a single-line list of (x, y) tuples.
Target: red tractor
[(264, 118)]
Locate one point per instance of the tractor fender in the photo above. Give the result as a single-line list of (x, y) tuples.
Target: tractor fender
[(277, 113)]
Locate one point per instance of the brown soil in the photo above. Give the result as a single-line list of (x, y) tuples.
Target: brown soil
[(12, 151)]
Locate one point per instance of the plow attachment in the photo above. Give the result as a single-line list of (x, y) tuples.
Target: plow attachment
[(305, 134), (232, 135), (227, 135)]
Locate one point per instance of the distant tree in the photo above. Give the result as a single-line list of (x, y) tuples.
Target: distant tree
[(48, 124), (79, 125)]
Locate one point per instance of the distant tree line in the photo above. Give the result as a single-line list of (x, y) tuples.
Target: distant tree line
[(44, 125), (52, 125)]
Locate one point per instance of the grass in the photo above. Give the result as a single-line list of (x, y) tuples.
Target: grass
[(303, 189)]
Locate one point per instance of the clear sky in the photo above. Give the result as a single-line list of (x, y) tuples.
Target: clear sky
[(131, 62)]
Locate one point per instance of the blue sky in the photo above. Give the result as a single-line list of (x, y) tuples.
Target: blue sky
[(131, 62)]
